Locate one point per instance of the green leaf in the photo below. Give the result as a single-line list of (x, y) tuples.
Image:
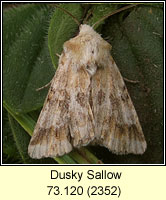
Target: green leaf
[(21, 139), (14, 20), (10, 153), (26, 61), (62, 28)]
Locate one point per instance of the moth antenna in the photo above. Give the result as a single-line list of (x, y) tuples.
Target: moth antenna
[(86, 19), (67, 12), (113, 13)]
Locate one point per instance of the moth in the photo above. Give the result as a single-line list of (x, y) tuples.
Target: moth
[(87, 103)]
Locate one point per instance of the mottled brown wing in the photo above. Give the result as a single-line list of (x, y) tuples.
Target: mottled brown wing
[(116, 122), (81, 124), (66, 119)]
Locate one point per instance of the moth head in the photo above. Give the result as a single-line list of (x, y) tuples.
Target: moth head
[(84, 29), (88, 47)]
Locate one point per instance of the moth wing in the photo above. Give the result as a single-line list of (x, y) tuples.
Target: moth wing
[(51, 134), (66, 119), (81, 117), (117, 124)]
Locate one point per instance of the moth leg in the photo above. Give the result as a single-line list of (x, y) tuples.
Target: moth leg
[(130, 81), (45, 86), (58, 55)]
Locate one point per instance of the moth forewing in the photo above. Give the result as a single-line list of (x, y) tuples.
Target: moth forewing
[(66, 120), (117, 124), (50, 136), (88, 102)]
